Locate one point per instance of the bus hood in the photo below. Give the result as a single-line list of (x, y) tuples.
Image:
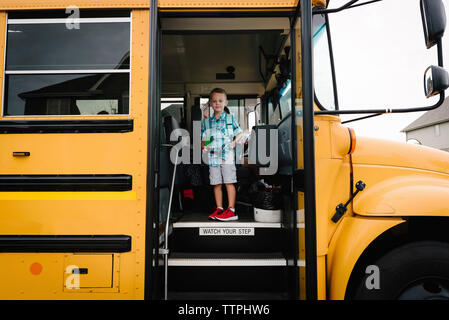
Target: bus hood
[(371, 151), (401, 179)]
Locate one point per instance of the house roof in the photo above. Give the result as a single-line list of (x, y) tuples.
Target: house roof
[(432, 117)]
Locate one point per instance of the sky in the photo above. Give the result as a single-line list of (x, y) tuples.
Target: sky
[(380, 58)]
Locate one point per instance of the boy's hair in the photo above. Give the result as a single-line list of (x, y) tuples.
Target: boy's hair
[(218, 90)]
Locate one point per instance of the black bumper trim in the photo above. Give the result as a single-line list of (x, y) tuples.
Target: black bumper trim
[(111, 182), (65, 243), (66, 126)]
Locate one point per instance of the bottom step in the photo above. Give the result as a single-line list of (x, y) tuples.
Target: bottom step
[(227, 279), (228, 296)]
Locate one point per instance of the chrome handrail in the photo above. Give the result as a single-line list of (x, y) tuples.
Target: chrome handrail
[(165, 251)]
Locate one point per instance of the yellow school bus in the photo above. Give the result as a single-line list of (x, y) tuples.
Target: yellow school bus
[(103, 197)]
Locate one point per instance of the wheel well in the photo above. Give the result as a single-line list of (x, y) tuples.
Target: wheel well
[(414, 229)]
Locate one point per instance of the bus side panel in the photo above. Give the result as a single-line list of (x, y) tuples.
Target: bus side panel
[(87, 213)]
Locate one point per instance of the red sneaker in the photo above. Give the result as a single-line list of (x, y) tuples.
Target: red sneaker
[(227, 215), (216, 212)]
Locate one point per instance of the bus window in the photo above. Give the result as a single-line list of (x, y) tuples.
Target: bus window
[(173, 107), (251, 120), (52, 69), (321, 64), (237, 109), (270, 108), (285, 100), (276, 116)]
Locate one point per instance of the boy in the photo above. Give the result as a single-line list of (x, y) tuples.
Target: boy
[(219, 131)]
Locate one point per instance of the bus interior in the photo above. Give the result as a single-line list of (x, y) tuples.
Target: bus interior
[(250, 59)]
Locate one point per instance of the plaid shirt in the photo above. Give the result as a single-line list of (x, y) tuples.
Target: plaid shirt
[(221, 132)]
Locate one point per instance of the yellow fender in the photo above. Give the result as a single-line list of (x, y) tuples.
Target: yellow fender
[(352, 237)]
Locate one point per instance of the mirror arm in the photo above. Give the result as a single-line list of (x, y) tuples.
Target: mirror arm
[(440, 53), (382, 111), (325, 11), (348, 5)]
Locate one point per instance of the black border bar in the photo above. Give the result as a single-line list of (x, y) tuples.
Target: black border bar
[(66, 126), (81, 182), (65, 243), (227, 13)]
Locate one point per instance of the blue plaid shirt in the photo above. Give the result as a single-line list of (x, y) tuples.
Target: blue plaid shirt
[(221, 132)]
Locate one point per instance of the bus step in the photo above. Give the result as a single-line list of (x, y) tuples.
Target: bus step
[(239, 236), (192, 295), (227, 272)]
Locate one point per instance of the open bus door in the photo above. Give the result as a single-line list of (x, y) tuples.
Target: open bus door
[(303, 143), (251, 271)]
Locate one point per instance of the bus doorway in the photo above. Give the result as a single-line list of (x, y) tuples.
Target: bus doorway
[(256, 256)]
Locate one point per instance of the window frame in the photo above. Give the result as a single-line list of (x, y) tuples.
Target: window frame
[(68, 71)]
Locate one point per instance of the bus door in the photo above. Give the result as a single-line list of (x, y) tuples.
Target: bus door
[(158, 176), (303, 143), (246, 258)]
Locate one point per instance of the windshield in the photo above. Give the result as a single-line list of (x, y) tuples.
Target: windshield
[(379, 55), (322, 63)]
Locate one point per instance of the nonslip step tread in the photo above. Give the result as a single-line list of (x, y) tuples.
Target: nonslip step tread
[(223, 224), (195, 220), (226, 259), (188, 295)]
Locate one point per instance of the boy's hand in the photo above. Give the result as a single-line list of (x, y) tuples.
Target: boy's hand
[(237, 139)]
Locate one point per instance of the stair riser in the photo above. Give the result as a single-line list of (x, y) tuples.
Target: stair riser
[(264, 240), (227, 279)]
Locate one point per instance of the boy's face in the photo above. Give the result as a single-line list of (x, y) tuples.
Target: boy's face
[(218, 101)]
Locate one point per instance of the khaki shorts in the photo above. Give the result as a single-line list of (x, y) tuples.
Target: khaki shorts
[(225, 173)]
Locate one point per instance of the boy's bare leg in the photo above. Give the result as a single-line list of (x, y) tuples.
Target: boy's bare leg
[(218, 193), (230, 189)]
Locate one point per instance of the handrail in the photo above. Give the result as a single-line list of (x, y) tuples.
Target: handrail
[(165, 251)]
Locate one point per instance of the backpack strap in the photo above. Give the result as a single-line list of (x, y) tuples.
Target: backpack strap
[(207, 123), (229, 125)]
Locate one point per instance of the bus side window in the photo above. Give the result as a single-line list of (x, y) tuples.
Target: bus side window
[(53, 70)]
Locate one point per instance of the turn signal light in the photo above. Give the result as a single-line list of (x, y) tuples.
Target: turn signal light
[(352, 142)]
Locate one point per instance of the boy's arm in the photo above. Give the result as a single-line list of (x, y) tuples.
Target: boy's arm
[(203, 128), (236, 128), (239, 136)]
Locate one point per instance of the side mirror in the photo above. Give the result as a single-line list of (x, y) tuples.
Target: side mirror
[(434, 21), (436, 80)]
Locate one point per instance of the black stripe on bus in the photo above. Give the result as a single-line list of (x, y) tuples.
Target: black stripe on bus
[(227, 13), (82, 182), (65, 243), (62, 14), (66, 126)]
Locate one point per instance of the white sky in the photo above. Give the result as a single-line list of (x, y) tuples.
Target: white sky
[(380, 58)]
